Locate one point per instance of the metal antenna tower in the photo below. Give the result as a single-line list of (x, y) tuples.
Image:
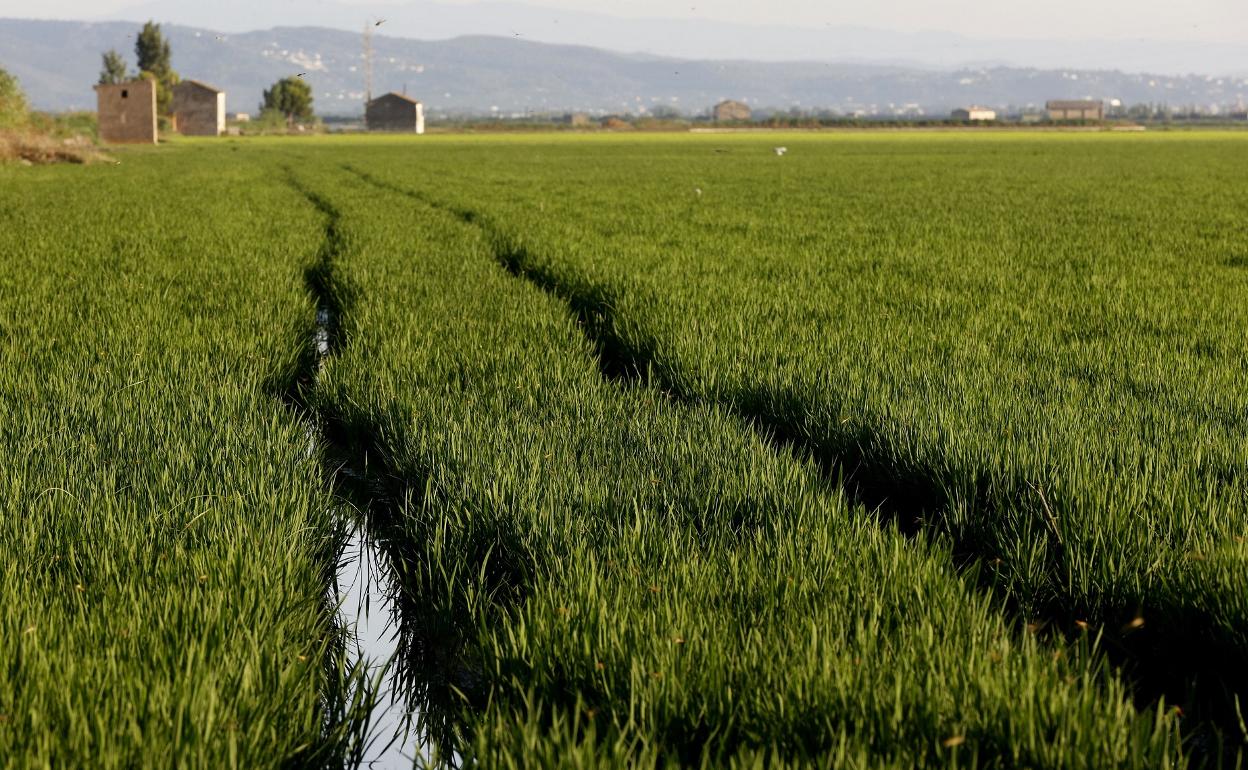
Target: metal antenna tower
[(368, 62)]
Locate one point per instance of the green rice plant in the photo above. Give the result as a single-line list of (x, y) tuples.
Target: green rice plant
[(166, 524), (1030, 344), (599, 574), (892, 451)]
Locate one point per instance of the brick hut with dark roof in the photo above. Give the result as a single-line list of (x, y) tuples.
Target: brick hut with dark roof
[(198, 109), (1075, 109), (731, 110), (395, 112)]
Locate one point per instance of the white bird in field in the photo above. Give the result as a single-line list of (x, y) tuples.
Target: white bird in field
[(698, 190), (781, 150)]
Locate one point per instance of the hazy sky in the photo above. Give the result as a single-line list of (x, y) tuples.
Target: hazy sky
[(1211, 20), (1195, 19)]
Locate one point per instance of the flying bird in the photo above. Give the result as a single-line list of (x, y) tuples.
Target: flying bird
[(379, 22), (301, 74)]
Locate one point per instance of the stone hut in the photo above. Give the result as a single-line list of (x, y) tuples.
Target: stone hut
[(198, 109), (730, 110), (127, 112), (395, 112), (1075, 110)]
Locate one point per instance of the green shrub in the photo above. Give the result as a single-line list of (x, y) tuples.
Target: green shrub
[(13, 109)]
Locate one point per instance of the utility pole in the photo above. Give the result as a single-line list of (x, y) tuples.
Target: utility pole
[(368, 62)]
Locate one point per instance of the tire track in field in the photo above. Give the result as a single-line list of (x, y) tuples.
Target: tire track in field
[(319, 342), (1172, 663), (898, 499), (362, 483), (618, 361)]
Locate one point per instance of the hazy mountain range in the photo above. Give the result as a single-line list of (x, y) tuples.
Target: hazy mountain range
[(704, 38), (58, 61)]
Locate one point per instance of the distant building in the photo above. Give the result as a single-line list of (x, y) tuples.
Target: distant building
[(579, 120), (198, 109), (974, 113), (127, 112), (395, 112), (242, 117), (1075, 110), (731, 110)]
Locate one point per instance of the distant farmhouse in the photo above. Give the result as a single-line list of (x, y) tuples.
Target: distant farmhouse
[(127, 112), (730, 110), (395, 112), (1075, 110), (974, 113), (198, 109)]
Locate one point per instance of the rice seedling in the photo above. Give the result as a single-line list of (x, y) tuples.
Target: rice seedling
[(629, 579), (168, 533), (901, 451), (1032, 346)]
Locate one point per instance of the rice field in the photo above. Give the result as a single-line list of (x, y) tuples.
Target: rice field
[(895, 450)]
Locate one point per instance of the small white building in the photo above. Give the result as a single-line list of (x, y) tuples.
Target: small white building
[(981, 114)]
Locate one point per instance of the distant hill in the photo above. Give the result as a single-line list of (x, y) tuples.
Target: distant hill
[(57, 63), (694, 36)]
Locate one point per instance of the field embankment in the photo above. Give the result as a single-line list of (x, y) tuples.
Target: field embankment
[(35, 139)]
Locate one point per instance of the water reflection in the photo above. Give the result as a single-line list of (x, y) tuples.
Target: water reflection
[(370, 616)]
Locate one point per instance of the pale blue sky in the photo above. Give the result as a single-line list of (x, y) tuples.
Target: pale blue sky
[(1212, 20)]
